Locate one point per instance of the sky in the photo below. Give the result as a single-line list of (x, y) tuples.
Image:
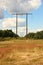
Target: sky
[(8, 9)]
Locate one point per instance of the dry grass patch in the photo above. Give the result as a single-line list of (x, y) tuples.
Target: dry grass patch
[(21, 52)]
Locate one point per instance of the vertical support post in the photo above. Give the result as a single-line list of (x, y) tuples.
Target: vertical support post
[(26, 23), (16, 22)]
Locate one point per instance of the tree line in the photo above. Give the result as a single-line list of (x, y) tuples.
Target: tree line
[(37, 35), (7, 33), (10, 33)]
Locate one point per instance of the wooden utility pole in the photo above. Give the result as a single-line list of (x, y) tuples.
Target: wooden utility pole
[(16, 23), (26, 23)]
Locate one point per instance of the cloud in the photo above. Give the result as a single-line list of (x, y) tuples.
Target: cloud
[(1, 13), (22, 31), (35, 30), (35, 3), (2, 4), (10, 23), (20, 6)]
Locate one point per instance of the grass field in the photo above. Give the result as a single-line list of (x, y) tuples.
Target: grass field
[(21, 52)]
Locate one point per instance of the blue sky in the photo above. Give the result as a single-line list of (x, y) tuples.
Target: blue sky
[(35, 21)]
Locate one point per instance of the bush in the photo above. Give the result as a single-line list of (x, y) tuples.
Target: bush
[(37, 35), (30, 35), (7, 33)]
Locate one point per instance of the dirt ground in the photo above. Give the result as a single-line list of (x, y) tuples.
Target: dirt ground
[(21, 52)]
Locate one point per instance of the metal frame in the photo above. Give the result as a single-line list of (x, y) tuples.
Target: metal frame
[(26, 21)]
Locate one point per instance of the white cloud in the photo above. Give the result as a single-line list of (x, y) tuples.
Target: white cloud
[(20, 5), (22, 31), (9, 23), (35, 3), (40, 29), (2, 4), (34, 30), (23, 6)]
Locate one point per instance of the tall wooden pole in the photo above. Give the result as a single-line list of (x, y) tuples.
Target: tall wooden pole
[(26, 23), (16, 22)]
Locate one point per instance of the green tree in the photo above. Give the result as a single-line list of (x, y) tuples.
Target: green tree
[(30, 35)]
